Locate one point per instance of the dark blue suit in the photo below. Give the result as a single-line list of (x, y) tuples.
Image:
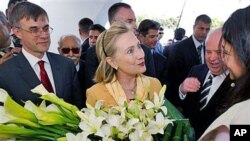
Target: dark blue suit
[(17, 77), (85, 46), (200, 120)]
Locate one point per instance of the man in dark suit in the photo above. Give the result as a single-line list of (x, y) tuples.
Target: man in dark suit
[(84, 25), (179, 34), (148, 36), (34, 65), (70, 47), (184, 55), (206, 87), (118, 12)]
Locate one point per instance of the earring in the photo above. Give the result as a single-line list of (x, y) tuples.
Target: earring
[(116, 68)]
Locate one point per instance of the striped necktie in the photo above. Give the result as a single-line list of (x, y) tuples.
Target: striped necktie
[(199, 49), (205, 91)]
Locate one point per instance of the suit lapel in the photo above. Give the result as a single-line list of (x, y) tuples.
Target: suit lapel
[(56, 73), (194, 51), (202, 73), (222, 91), (26, 71)]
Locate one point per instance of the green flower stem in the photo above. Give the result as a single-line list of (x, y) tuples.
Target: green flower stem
[(168, 133), (185, 137), (61, 139), (188, 130), (68, 114), (60, 132), (178, 130), (35, 138), (72, 129), (21, 131)]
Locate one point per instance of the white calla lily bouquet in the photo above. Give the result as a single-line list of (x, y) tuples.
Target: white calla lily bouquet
[(137, 120)]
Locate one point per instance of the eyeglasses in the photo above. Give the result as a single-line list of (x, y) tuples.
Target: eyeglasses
[(75, 50), (35, 31)]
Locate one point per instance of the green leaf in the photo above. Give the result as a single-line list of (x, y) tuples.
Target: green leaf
[(173, 112)]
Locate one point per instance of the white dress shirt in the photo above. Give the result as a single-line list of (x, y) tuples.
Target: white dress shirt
[(216, 82), (197, 44), (34, 64)]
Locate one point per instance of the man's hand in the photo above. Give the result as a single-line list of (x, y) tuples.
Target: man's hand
[(16, 50), (5, 57), (190, 84)]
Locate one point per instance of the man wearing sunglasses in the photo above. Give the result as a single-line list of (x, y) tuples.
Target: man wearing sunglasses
[(34, 65), (70, 47)]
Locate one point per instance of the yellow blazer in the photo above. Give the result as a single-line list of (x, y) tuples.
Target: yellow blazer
[(100, 92)]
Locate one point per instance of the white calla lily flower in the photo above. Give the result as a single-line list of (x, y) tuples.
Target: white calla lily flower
[(79, 137), (3, 96)]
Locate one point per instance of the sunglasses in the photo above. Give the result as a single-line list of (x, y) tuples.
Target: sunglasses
[(67, 50)]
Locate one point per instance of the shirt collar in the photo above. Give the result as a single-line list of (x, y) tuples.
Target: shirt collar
[(223, 75), (196, 42), (77, 66), (32, 59)]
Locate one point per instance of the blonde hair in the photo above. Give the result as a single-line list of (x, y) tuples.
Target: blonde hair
[(105, 48)]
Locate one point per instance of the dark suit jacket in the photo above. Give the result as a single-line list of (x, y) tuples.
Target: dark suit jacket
[(182, 58), (92, 63), (160, 66), (81, 78), (168, 49), (85, 46), (17, 77), (200, 120)]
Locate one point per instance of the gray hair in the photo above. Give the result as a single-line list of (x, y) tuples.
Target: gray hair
[(26, 10)]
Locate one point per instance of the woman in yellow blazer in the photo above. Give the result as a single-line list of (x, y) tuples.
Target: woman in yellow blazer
[(119, 74)]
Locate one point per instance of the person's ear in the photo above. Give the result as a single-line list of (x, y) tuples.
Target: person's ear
[(141, 37), (59, 50), (111, 62), (17, 32)]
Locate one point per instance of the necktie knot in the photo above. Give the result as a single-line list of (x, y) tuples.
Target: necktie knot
[(44, 77), (41, 64)]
